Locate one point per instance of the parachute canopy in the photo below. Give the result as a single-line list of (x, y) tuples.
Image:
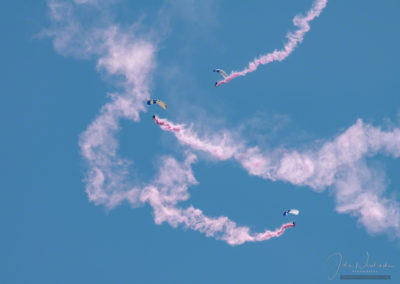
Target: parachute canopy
[(222, 72), (160, 103), (291, 211)]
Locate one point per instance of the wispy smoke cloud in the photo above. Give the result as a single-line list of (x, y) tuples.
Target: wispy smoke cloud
[(134, 60), (339, 164), (303, 24)]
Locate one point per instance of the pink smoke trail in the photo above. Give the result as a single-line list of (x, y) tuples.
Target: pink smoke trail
[(166, 126), (221, 151), (268, 234), (293, 40)]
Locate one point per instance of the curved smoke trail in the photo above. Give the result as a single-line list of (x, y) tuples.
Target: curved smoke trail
[(171, 187), (293, 40)]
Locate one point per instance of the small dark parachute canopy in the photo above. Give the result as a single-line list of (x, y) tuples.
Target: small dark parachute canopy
[(160, 103)]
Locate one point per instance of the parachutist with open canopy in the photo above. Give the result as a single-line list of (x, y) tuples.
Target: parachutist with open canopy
[(222, 72)]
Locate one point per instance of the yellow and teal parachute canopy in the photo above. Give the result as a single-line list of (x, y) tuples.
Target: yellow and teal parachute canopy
[(160, 103)]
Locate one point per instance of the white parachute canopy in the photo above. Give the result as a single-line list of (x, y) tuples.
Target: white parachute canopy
[(291, 211), (221, 72)]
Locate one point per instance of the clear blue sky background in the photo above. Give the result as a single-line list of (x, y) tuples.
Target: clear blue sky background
[(346, 68)]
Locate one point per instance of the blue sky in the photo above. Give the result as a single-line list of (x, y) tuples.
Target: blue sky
[(345, 69)]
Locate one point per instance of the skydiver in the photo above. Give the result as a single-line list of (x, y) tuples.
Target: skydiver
[(222, 73)]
